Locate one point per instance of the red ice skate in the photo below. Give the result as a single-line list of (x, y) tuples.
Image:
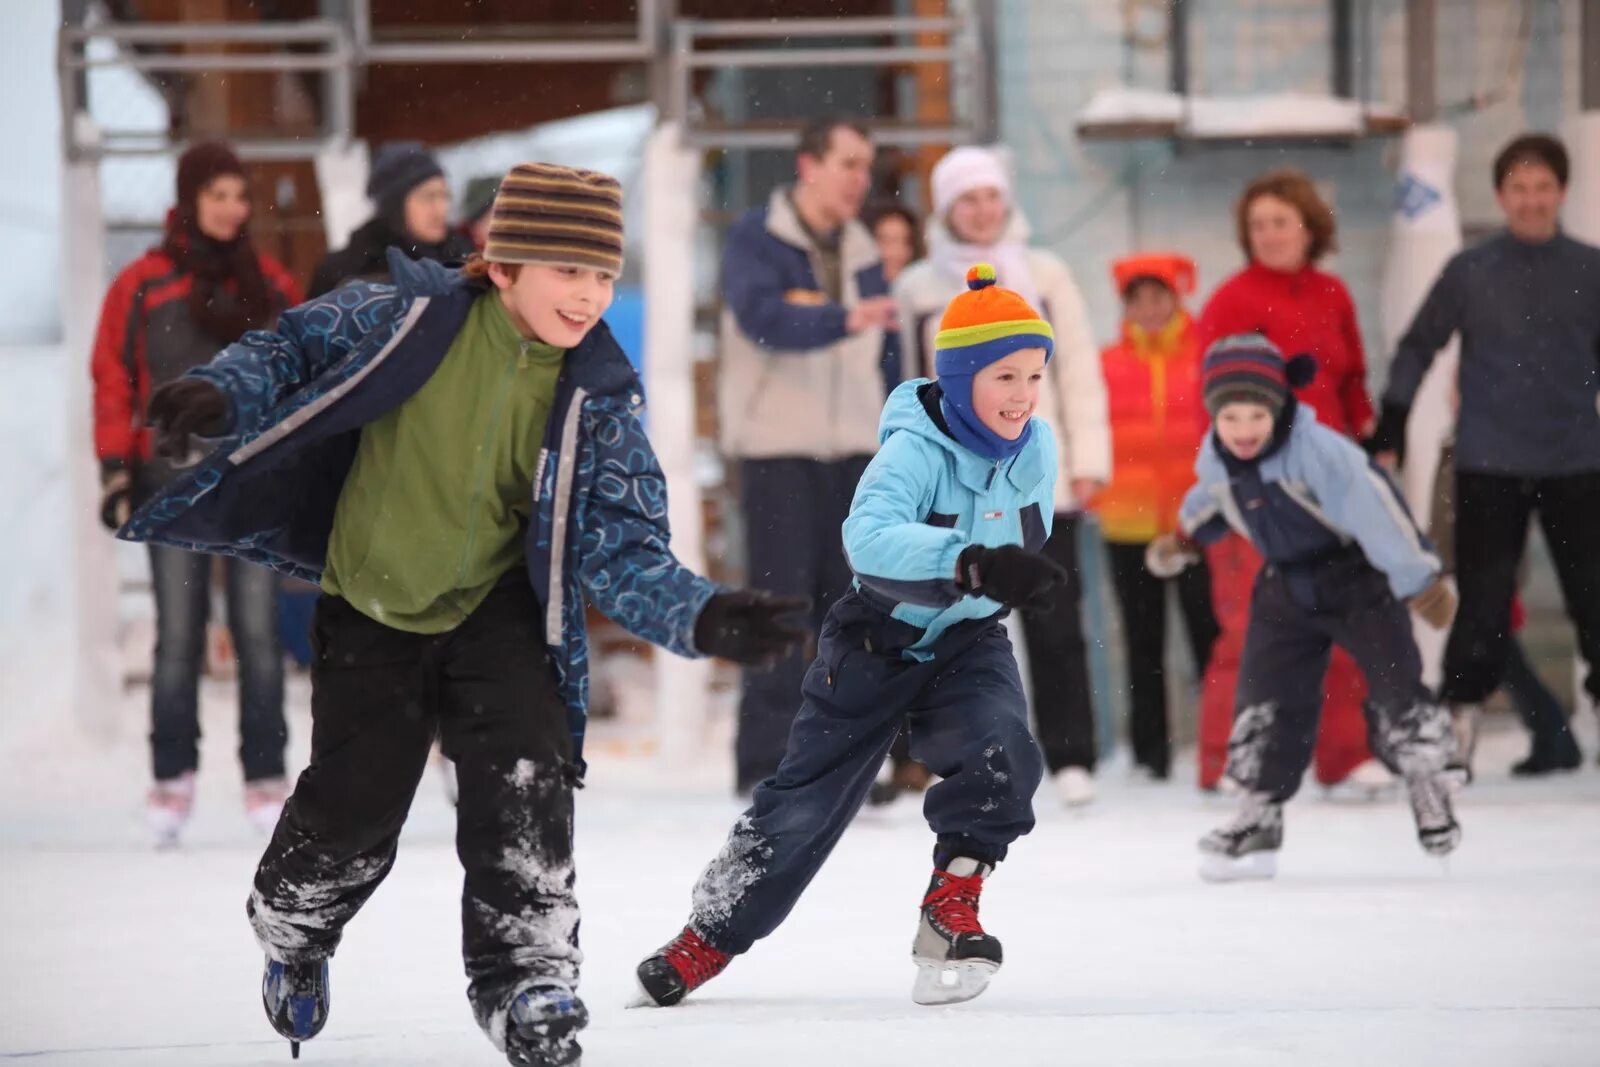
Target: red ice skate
[(680, 967)]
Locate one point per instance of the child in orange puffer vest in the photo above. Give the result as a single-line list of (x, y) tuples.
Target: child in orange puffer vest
[(1152, 376)]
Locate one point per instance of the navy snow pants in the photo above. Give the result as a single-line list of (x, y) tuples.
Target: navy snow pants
[(968, 722), (1297, 615)]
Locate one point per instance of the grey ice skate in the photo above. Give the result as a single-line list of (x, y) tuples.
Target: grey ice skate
[(1437, 829), (1246, 848), (955, 958)]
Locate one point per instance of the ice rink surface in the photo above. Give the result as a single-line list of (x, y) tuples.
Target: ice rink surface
[(1363, 951)]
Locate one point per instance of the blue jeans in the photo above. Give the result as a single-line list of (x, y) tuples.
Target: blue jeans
[(182, 586)]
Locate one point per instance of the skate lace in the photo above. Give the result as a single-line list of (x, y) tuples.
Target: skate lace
[(1428, 802), (694, 960), (952, 903)]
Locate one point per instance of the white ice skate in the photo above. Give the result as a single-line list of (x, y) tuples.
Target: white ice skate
[(263, 803), (1246, 848), (167, 808), (1075, 785), (1437, 829), (955, 959)]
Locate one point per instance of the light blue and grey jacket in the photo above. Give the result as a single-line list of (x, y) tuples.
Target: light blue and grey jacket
[(1312, 497), (924, 498), (301, 394)]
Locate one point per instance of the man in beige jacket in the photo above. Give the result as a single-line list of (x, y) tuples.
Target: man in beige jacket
[(805, 306)]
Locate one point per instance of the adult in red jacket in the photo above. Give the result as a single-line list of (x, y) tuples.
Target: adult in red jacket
[(1158, 422), (170, 310), (1284, 228)]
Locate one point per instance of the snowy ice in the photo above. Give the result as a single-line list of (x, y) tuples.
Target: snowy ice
[(1363, 949)]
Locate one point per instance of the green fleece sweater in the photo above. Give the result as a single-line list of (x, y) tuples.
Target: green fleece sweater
[(435, 507)]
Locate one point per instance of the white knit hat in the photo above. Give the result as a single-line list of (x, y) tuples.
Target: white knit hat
[(963, 170)]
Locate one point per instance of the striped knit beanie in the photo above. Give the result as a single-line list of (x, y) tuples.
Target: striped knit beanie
[(984, 324), (546, 213), (1248, 368)]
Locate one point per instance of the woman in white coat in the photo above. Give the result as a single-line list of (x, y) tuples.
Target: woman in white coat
[(975, 220)]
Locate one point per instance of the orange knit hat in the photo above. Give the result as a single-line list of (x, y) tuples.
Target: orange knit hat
[(987, 323)]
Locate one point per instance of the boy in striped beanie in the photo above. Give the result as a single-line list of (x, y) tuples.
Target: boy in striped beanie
[(458, 460), (943, 536), (1344, 558)]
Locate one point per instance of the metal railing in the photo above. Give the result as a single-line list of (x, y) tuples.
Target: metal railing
[(963, 52), (333, 61), (639, 46)]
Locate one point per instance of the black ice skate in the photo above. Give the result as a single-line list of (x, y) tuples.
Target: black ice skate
[(955, 959), (678, 968), (295, 996), (1437, 829), (542, 1027), (1248, 846)]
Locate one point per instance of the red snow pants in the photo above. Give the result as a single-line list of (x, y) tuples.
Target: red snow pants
[(1342, 733)]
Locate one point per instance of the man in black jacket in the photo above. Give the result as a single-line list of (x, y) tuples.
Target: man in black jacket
[(1527, 306), (411, 202)]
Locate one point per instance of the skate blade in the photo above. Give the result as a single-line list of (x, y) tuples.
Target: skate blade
[(1253, 866), (1441, 845), (951, 982)]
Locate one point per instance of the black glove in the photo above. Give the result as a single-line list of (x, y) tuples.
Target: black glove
[(1010, 574), (751, 627), (184, 407), (1390, 436), (116, 494)]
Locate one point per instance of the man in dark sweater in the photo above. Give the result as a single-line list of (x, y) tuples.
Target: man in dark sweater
[(1527, 306)]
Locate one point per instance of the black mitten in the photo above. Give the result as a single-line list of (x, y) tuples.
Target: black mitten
[(1010, 574), (751, 627), (188, 406)]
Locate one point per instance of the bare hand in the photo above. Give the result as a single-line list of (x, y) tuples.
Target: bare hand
[(1086, 489), (873, 313)]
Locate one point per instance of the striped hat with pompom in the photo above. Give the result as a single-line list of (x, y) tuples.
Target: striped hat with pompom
[(987, 323), (1248, 368)]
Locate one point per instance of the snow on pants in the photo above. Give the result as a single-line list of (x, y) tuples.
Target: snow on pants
[(1341, 744), (967, 718), (793, 512), (1297, 615), (379, 696)]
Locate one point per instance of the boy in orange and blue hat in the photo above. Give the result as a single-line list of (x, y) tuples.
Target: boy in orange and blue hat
[(943, 538)]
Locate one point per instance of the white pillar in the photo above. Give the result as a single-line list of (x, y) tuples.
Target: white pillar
[(1425, 233), (670, 184), (92, 583)]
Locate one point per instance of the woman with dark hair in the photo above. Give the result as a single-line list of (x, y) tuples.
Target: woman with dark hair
[(1284, 228), (171, 310), (896, 230)]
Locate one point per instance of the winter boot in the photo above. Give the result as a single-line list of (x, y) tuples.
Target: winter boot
[(1437, 829), (1248, 846), (263, 803), (1076, 786), (681, 966), (542, 1027), (168, 806), (955, 959), (1464, 726), (295, 996), (1560, 753)]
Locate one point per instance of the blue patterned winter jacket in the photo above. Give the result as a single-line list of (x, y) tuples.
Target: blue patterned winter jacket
[(301, 395)]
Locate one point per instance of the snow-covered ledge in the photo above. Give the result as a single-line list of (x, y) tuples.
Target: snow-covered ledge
[(1120, 111)]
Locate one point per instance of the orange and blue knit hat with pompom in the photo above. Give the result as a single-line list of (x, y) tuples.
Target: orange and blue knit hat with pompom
[(987, 323)]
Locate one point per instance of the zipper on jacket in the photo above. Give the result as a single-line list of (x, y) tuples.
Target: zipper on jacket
[(484, 458)]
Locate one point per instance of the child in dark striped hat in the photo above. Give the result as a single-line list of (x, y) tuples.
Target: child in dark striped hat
[(457, 459), (1344, 558)]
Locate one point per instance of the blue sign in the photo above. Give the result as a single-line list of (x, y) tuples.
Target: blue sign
[(1413, 196)]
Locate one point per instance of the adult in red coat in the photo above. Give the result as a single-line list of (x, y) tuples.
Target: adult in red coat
[(1284, 228), (167, 312), (1158, 422)]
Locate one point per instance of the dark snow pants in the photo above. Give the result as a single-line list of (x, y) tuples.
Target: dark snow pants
[(1297, 615), (967, 718), (793, 511), (379, 697)]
